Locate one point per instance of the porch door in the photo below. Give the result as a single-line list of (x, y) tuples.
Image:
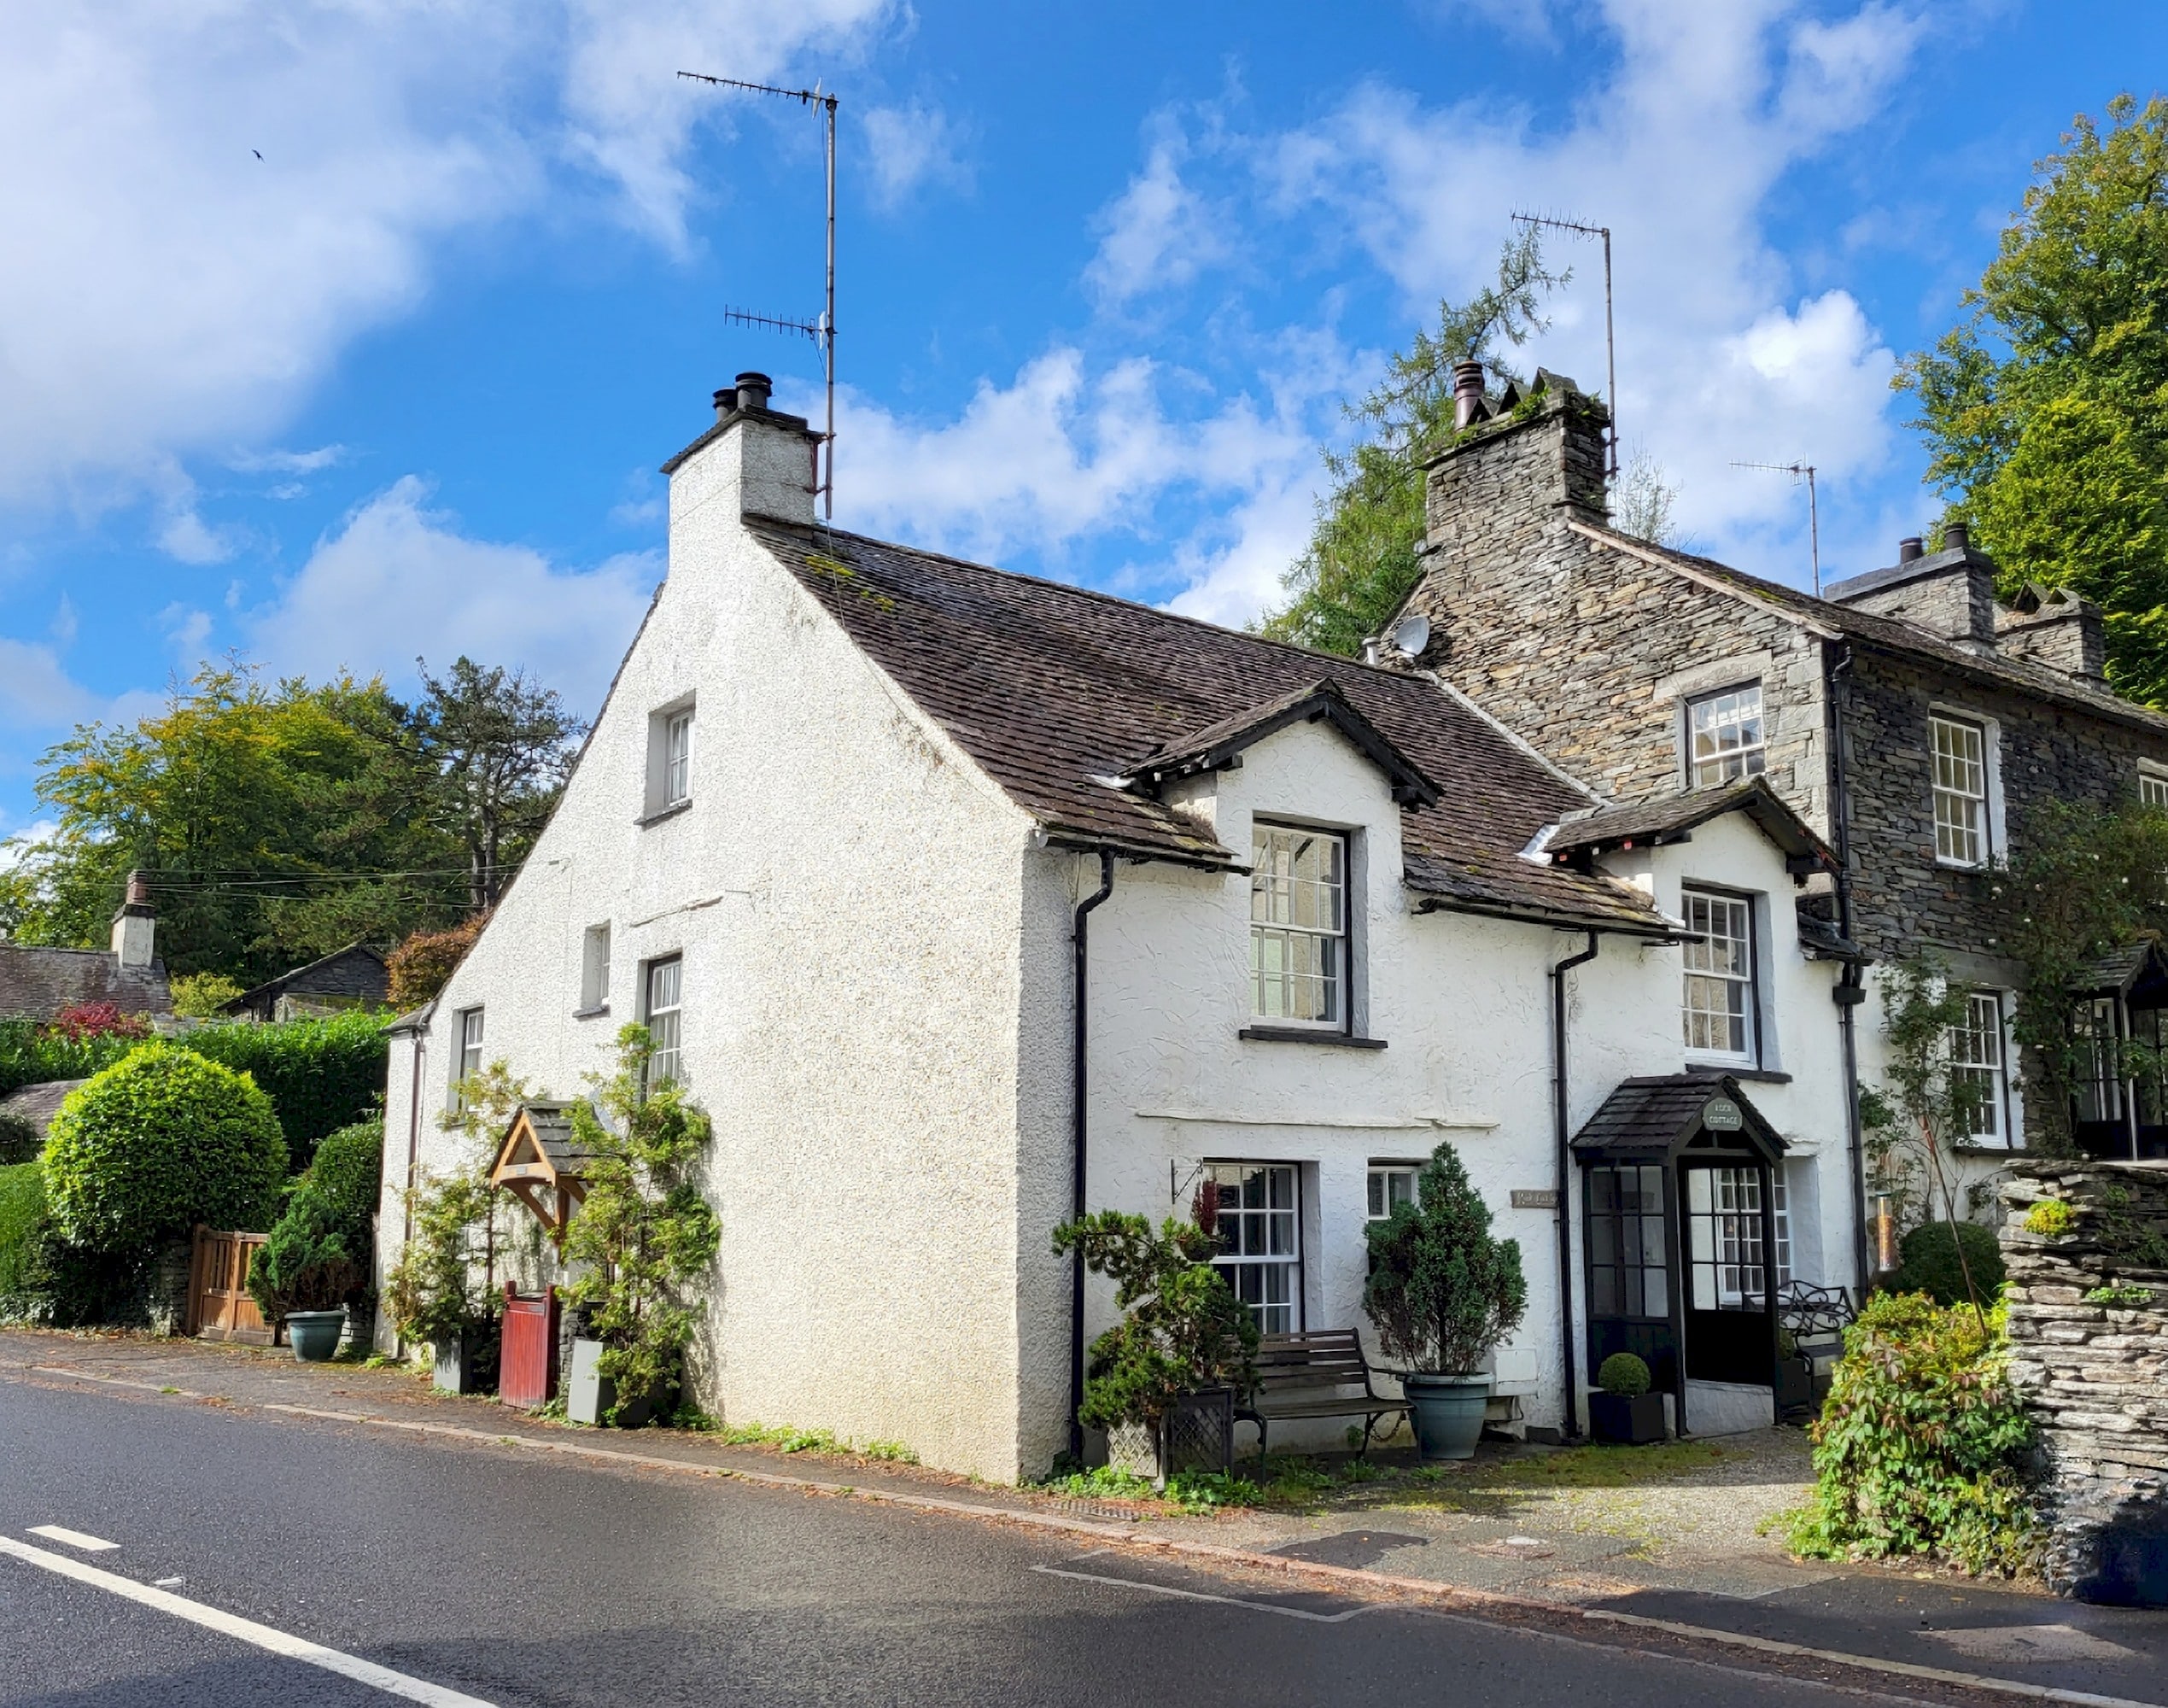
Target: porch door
[(1724, 1209)]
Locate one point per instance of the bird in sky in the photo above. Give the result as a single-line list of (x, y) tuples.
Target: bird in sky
[(258, 153)]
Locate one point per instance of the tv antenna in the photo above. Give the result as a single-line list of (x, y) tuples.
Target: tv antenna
[(1581, 229), (1813, 507), (823, 331)]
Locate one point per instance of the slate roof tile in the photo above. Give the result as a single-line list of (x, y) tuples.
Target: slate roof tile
[(36, 984)]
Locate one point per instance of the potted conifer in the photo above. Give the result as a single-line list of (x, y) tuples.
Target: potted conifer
[(302, 1275), (1443, 1293)]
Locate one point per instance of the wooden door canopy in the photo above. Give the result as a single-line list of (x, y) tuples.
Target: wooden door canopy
[(538, 1164)]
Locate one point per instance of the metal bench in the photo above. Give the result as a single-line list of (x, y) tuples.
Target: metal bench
[(1310, 1376)]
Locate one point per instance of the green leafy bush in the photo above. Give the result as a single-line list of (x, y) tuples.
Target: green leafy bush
[(1181, 1327), (1442, 1291), (20, 1140), (1624, 1375), (158, 1142), (2051, 1218), (306, 1265), (348, 1171), (320, 1075), (643, 1236), (1922, 1447), (22, 1225), (1929, 1262), (198, 995)]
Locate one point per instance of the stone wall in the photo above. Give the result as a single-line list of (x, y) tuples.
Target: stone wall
[(2089, 1334)]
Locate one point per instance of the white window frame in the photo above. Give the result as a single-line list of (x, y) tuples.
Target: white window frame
[(1291, 958), (1390, 1185), (1727, 715), (594, 969), (677, 757), (2152, 786), (1733, 1269), (1261, 1244), (672, 744), (2096, 1023), (1698, 906), (466, 1055), (1979, 1049), (1965, 822), (667, 1065)]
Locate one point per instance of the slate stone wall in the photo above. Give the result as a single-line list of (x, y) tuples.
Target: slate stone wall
[(2089, 1334)]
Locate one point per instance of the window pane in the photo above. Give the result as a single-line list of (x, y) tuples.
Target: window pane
[(1298, 914), (1717, 1006), (1724, 736), (1961, 790)]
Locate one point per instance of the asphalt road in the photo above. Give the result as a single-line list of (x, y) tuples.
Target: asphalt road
[(484, 1572)]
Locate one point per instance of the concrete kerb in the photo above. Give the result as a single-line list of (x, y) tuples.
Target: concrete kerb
[(1352, 1580)]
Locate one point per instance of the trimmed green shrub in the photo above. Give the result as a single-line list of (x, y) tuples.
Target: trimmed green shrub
[(1624, 1375), (347, 1171), (1929, 1262), (1442, 1290), (1922, 1445), (20, 1140), (306, 1265), (22, 1225), (320, 1075), (157, 1142)]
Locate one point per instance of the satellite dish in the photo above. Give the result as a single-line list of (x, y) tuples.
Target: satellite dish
[(1412, 635)]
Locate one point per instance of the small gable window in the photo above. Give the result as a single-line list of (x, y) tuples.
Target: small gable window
[(1298, 932), (669, 760), (468, 1063), (594, 970), (1724, 736)]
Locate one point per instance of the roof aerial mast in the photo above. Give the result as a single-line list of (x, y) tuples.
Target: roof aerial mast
[(823, 331), (1813, 507), (1580, 228)]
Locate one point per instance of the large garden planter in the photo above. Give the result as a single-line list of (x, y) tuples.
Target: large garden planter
[(1447, 1412), (467, 1362), (1795, 1385), (589, 1395), (315, 1334), (1626, 1420)]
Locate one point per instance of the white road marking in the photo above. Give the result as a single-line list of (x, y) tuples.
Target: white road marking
[(1199, 1595), (247, 1630), (74, 1539)]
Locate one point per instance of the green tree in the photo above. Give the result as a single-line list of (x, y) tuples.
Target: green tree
[(1361, 560), (2045, 409)]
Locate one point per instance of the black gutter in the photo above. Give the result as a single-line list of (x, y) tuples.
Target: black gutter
[(1078, 1127), (1561, 1120), (1850, 992)]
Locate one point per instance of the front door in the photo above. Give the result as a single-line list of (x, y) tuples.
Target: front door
[(1730, 1330)]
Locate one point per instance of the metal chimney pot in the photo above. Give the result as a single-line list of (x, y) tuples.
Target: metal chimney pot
[(1957, 536), (1909, 548), (753, 389), (1467, 393)]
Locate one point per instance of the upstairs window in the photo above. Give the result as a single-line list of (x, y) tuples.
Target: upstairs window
[(1724, 736), (669, 760), (1959, 749), (1718, 1002), (664, 1018), (594, 969), (1976, 1057), (468, 1063), (2152, 789), (1298, 933)]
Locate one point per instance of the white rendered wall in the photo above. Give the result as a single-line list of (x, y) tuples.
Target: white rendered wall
[(1463, 1006), (845, 890)]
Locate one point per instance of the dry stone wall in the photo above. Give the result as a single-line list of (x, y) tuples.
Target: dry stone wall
[(2088, 1336)]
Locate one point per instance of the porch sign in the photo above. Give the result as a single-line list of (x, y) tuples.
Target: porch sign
[(1721, 1115)]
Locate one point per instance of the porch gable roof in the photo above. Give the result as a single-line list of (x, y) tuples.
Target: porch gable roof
[(1653, 1119)]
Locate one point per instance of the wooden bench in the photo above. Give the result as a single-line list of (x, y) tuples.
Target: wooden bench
[(1309, 1375)]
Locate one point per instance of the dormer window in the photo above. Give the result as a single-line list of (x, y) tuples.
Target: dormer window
[(1298, 932), (1724, 736)]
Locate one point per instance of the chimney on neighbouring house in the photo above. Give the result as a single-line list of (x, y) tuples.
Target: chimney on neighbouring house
[(2057, 628), (1949, 592), (1467, 393), (135, 925)]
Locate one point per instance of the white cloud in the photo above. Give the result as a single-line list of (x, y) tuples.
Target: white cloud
[(36, 691), (1157, 234), (913, 147), (187, 632), (186, 536), (287, 462), (214, 200), (399, 579)]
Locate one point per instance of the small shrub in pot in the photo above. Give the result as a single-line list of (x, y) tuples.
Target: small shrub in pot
[(1623, 1410)]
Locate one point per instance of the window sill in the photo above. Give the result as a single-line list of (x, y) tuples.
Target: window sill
[(595, 1013), (1735, 1070), (1971, 1148), (1973, 866), (1296, 1034), (670, 811)]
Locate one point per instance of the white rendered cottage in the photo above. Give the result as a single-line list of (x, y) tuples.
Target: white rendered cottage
[(856, 822)]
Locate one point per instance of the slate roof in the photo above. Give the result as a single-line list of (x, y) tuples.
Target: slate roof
[(1889, 634), (356, 970), (1649, 1118), (1670, 818), (36, 984), (38, 1104), (2119, 970), (1059, 693)]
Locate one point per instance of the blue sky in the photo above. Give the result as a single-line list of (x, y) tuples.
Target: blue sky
[(342, 333)]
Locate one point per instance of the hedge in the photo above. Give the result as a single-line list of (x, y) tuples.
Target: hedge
[(1930, 1264), (22, 1220), (157, 1142), (320, 1075)]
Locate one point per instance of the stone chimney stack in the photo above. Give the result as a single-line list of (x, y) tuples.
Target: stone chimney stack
[(134, 926), (1949, 592), (764, 458), (2056, 627)]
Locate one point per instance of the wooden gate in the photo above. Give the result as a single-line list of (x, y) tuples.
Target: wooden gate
[(527, 1367), (218, 1305)]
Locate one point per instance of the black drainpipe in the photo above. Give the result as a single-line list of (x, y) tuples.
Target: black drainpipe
[(1560, 1119), (1850, 989), (1077, 1129)]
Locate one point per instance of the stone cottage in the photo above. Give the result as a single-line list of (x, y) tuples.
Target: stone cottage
[(36, 984), (1914, 722), (961, 900)]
